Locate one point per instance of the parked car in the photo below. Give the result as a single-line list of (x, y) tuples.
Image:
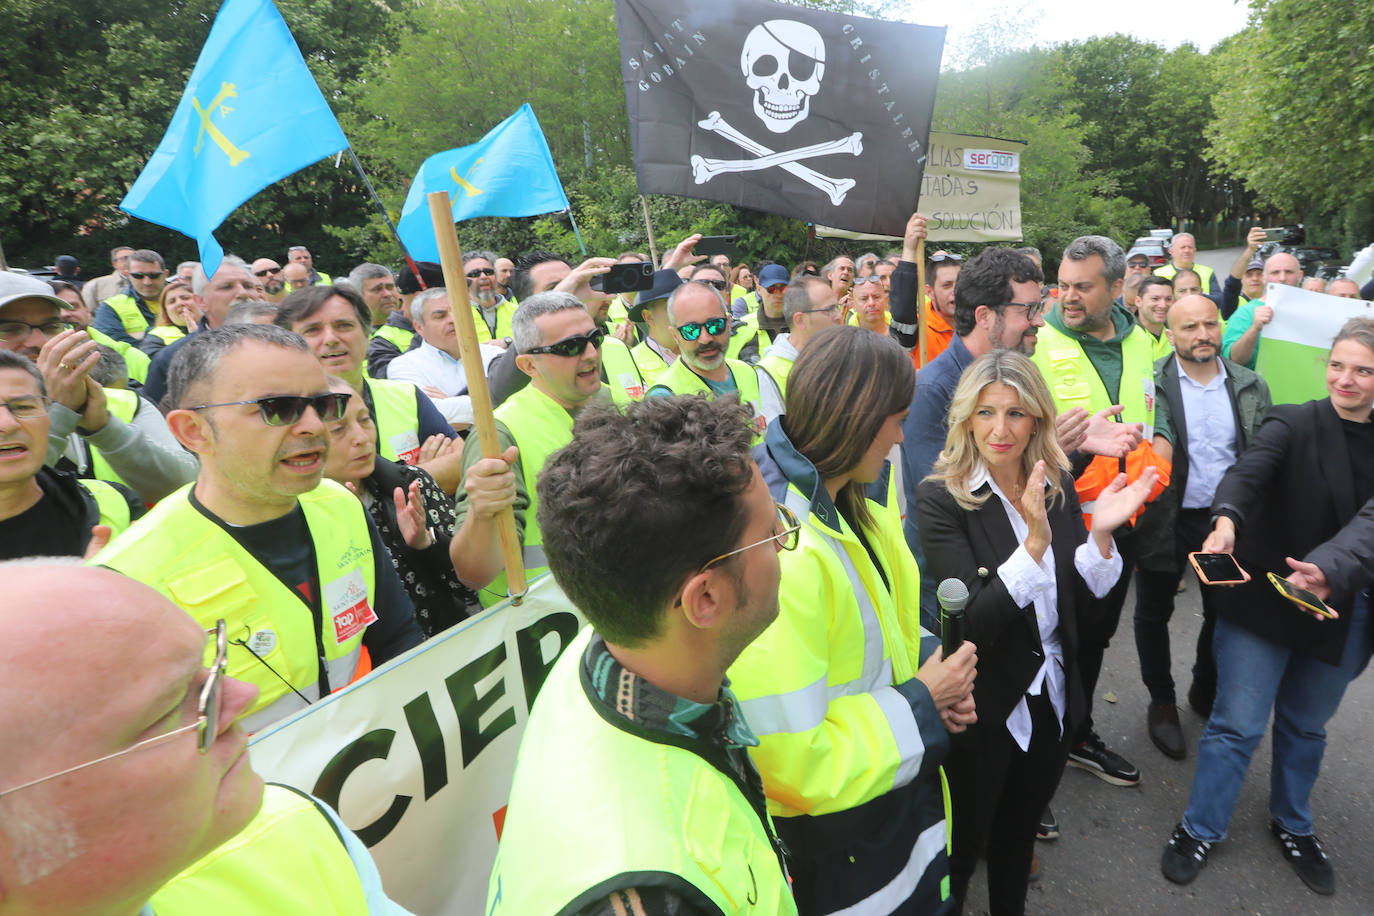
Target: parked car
[(1153, 247), (1310, 258), (1164, 235)]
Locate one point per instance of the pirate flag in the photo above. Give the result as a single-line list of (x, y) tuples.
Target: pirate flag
[(789, 110)]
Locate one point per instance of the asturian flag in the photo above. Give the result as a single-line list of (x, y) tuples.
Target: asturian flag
[(509, 172), (250, 116), (785, 109)]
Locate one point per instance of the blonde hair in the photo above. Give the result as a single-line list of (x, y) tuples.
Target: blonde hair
[(960, 457)]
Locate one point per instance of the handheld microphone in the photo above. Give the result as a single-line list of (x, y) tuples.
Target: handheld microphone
[(953, 596)]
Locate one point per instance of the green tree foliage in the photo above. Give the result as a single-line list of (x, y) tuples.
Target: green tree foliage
[(1294, 109)]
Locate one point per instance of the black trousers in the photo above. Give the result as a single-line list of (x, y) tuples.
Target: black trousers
[(1154, 605), (1097, 625), (997, 792)]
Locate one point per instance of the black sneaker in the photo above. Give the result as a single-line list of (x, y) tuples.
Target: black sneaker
[(1049, 826), (1092, 755), (1184, 856), (1308, 859), (1201, 697)]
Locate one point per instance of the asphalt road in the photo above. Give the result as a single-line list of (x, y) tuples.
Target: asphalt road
[(1107, 859)]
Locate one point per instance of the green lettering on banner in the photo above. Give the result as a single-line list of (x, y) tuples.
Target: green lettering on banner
[(535, 664), (374, 745), (470, 706)]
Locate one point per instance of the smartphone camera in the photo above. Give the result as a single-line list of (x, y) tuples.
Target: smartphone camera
[(629, 277)]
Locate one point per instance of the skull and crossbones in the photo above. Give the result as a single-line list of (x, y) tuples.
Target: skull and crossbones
[(783, 63)]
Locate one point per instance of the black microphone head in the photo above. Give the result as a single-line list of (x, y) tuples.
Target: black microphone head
[(952, 595)]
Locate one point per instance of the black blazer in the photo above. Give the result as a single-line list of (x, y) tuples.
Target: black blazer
[(969, 546), (1290, 491)]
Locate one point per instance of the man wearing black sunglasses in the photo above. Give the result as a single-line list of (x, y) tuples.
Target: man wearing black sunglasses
[(121, 788), (702, 330), (128, 315), (559, 347), (293, 564)]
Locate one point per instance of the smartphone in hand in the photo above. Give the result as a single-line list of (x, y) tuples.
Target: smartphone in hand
[(1301, 596), (1216, 568)]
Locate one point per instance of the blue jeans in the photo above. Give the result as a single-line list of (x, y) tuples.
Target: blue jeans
[(1255, 675)]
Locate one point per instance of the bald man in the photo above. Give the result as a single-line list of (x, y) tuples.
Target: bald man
[(1242, 339), (1214, 408), (155, 774)]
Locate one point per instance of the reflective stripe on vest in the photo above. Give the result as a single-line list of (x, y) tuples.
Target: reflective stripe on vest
[(178, 551), (130, 315), (136, 360), (399, 338), (682, 815), (622, 372), (680, 379), (1074, 381), (289, 859), (397, 418), (540, 426), (121, 403)]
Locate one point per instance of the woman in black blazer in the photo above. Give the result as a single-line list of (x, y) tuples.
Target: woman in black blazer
[(1000, 514), (1308, 472)]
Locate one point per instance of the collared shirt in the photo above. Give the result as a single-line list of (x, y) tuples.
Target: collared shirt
[(1211, 435), (430, 367), (1028, 581), (669, 357)]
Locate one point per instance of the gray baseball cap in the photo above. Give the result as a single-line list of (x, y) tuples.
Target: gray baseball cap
[(15, 286)]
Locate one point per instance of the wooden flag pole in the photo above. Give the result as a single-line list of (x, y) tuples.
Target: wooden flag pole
[(921, 298), (484, 420), (649, 228)]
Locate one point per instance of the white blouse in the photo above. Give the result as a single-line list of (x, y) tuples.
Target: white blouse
[(1028, 581)]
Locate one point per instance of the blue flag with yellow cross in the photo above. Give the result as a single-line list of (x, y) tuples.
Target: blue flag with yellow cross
[(250, 116), (509, 172)]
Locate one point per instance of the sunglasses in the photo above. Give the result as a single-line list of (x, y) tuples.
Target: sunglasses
[(267, 270), (285, 409), (692, 329), (151, 275), (871, 278), (481, 272), (206, 724), (942, 258), (718, 284), (572, 346), (776, 287)]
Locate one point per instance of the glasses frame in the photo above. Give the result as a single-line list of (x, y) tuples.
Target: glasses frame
[(65, 326), (721, 285), (871, 278), (207, 716), (696, 327), (311, 401), (43, 404), (791, 529), (146, 275), (947, 256), (267, 271), (593, 337), (1033, 309), (480, 272)]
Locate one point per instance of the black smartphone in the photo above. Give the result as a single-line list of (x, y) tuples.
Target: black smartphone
[(1217, 568), (716, 244), (630, 277), (1300, 596)]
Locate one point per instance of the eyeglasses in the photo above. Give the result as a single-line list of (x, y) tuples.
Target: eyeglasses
[(1033, 309), (718, 284), (786, 533), (273, 271), (692, 329), (26, 408), (832, 307), (871, 278), (285, 409), (146, 275), (946, 256), (13, 329), (572, 346), (480, 272), (206, 724)]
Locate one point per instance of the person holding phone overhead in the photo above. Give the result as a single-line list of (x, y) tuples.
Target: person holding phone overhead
[(1304, 477), (1000, 514)]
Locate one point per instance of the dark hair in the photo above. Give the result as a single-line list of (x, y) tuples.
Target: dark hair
[(663, 478), (520, 283), (197, 359), (797, 296), (1156, 280), (11, 360), (148, 256), (303, 303), (843, 387), (987, 279)]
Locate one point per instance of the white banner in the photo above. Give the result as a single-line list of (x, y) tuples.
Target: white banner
[(418, 756), (1293, 347)]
